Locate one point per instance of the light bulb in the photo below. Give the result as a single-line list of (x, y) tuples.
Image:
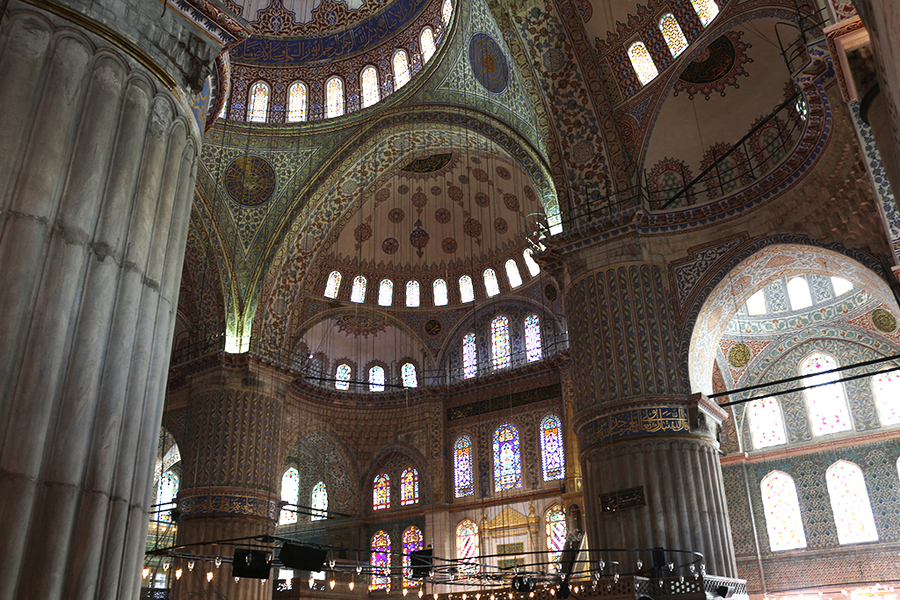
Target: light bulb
[(218, 562), (144, 573), (421, 593), (552, 592), (531, 594), (331, 564), (236, 579), (435, 596), (575, 589), (209, 576), (165, 566), (601, 564), (311, 582), (190, 565), (671, 566), (331, 584), (405, 591), (640, 564), (510, 596), (178, 573), (464, 597), (358, 569), (351, 585)]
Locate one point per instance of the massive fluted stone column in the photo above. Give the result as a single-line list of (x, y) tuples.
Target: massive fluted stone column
[(98, 155), (640, 430)]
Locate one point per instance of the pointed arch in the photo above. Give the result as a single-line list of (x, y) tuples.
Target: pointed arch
[(342, 377), (507, 458), (466, 289), (886, 391), (642, 63), (400, 63), (462, 467), (512, 273), (385, 292), (334, 97), (706, 10), (426, 44), (470, 356), (467, 545), (381, 562), (258, 104), (491, 285), (358, 291), (766, 423), (297, 102), (500, 347), (381, 492), (533, 349), (409, 487), (673, 34), (798, 293), (412, 294), (850, 503), (533, 268), (439, 289), (319, 502), (553, 458), (166, 492), (369, 83), (290, 493), (782, 509), (412, 542), (827, 404), (408, 373), (376, 378), (556, 528)]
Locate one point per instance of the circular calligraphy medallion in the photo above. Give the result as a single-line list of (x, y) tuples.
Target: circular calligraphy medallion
[(739, 355), (883, 320), (433, 327), (250, 180), (488, 63), (550, 292), (390, 245)]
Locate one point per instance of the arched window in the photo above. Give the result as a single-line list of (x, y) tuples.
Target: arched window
[(556, 532), (342, 377), (166, 491), (381, 562), (507, 459), (467, 546), (446, 11), (642, 63), (408, 372), (376, 379), (841, 286), (553, 457), (886, 390), (798, 293), (319, 502), (533, 267), (369, 81), (439, 287), (706, 10), (673, 34), (409, 487), (500, 357), (756, 304), (290, 493), (334, 97), (426, 43), (358, 292), (782, 509), (401, 69), (532, 338), (512, 272), (412, 542), (258, 105), (850, 503), (466, 289), (766, 423), (412, 294), (297, 101), (381, 492), (470, 356), (490, 283), (333, 284), (462, 466), (385, 292), (827, 404)]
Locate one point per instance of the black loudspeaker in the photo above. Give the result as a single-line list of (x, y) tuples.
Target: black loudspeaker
[(421, 563), (303, 558), (725, 591), (252, 564)]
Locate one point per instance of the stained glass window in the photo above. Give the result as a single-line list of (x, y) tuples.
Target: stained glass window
[(470, 356), (673, 34), (290, 493), (401, 69), (409, 487), (642, 63), (766, 423), (440, 292), (258, 105), (827, 404), (490, 283), (462, 466), (841, 286), (381, 562), (886, 390), (512, 272), (334, 97), (381, 492), (782, 509), (297, 101), (556, 532), (412, 294), (385, 292), (756, 304), (533, 267), (706, 10), (369, 80), (412, 541), (166, 491), (319, 502), (410, 379), (342, 377), (333, 285), (376, 379), (850, 503), (426, 42), (798, 293), (358, 291), (532, 338), (467, 546), (500, 357), (446, 11), (466, 289), (507, 459), (553, 457)]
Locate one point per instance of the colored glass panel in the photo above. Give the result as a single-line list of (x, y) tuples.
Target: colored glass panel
[(334, 98), (166, 491), (401, 69), (766, 423), (553, 457), (342, 377), (297, 102), (462, 466), (358, 292), (512, 272), (409, 487), (500, 353), (756, 304), (258, 106), (426, 42), (642, 63), (408, 372), (532, 338), (385, 292), (369, 79), (850, 503), (507, 459), (376, 379), (446, 11), (841, 286), (470, 356), (381, 492), (467, 546), (224, 112), (412, 542), (440, 292), (886, 390), (333, 285), (556, 532), (533, 267), (381, 562), (673, 34), (706, 10), (491, 285), (290, 493), (412, 294), (319, 502), (827, 404), (782, 510), (798, 293), (466, 289)]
